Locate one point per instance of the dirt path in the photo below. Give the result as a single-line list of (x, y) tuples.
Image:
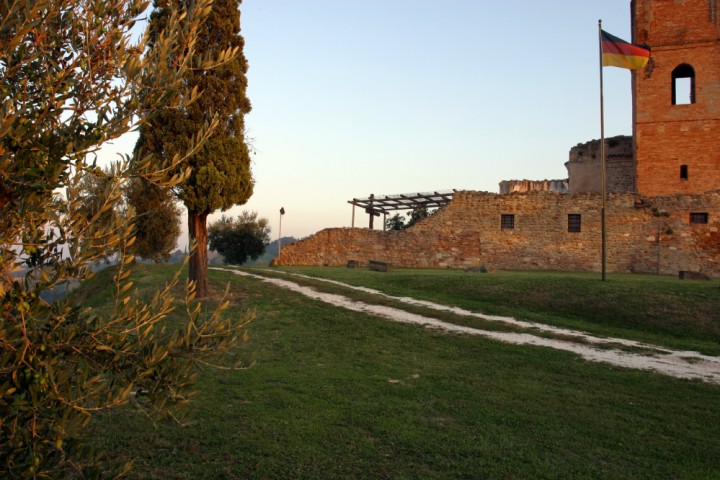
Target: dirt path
[(681, 364)]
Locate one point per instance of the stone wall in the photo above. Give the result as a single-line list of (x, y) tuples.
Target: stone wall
[(585, 166), (646, 235), (521, 186)]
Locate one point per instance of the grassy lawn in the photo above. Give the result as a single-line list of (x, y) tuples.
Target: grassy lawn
[(657, 309), (339, 394)]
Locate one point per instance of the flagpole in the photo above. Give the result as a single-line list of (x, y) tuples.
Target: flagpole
[(602, 153)]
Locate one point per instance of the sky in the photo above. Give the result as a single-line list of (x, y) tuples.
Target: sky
[(352, 98)]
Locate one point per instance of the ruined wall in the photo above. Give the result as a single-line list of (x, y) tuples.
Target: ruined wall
[(511, 186), (676, 159), (649, 235), (669, 135), (585, 166)]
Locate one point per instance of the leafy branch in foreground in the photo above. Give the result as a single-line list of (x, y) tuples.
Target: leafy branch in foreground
[(70, 81)]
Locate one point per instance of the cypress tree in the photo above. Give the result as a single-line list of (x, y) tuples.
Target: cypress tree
[(220, 175)]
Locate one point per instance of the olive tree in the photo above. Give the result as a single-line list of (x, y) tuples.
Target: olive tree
[(71, 79)]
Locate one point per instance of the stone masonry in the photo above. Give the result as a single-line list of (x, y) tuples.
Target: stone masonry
[(645, 235), (585, 167), (512, 186)]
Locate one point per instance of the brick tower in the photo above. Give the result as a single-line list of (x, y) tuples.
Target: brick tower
[(676, 99)]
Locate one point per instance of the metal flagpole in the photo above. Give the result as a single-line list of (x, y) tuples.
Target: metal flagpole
[(602, 154)]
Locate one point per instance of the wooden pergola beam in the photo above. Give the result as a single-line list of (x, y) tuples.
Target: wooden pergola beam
[(405, 201)]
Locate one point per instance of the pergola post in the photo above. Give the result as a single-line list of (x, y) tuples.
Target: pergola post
[(370, 211)]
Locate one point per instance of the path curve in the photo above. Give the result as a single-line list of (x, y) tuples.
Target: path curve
[(681, 364)]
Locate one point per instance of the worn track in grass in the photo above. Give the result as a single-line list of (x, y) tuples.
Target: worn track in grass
[(681, 364)]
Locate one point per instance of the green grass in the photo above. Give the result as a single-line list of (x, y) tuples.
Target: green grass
[(339, 394), (100, 291), (651, 308)]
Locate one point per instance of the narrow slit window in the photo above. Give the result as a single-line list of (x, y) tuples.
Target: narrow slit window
[(699, 217), (684, 172), (683, 85), (574, 222), (507, 221)]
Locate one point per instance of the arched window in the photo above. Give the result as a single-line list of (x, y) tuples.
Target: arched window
[(683, 85)]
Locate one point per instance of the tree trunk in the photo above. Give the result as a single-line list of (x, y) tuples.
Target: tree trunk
[(197, 227)]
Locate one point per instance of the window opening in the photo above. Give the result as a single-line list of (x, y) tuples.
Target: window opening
[(683, 85), (699, 217), (507, 221), (684, 172), (574, 222)]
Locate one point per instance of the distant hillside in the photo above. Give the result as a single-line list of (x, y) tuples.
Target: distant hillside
[(271, 251)]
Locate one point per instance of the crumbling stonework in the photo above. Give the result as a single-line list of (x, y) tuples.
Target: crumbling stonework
[(645, 235), (521, 186), (585, 167)]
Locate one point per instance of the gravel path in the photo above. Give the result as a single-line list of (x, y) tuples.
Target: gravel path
[(681, 364)]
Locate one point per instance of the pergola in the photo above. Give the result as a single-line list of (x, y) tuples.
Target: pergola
[(385, 204)]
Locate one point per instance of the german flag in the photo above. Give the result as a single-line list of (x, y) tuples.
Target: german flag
[(619, 53)]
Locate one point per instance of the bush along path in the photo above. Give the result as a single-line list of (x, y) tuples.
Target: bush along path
[(614, 351)]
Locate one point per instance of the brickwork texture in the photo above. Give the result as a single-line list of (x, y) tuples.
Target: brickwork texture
[(667, 135)]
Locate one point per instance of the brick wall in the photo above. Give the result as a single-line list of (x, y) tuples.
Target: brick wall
[(654, 236), (668, 136)]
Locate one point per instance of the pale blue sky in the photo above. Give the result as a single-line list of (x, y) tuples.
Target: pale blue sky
[(395, 96)]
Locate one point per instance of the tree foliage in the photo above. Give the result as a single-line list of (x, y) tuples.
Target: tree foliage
[(71, 80), (156, 214), (397, 222), (418, 214), (239, 240), (220, 171), (95, 187), (157, 223)]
